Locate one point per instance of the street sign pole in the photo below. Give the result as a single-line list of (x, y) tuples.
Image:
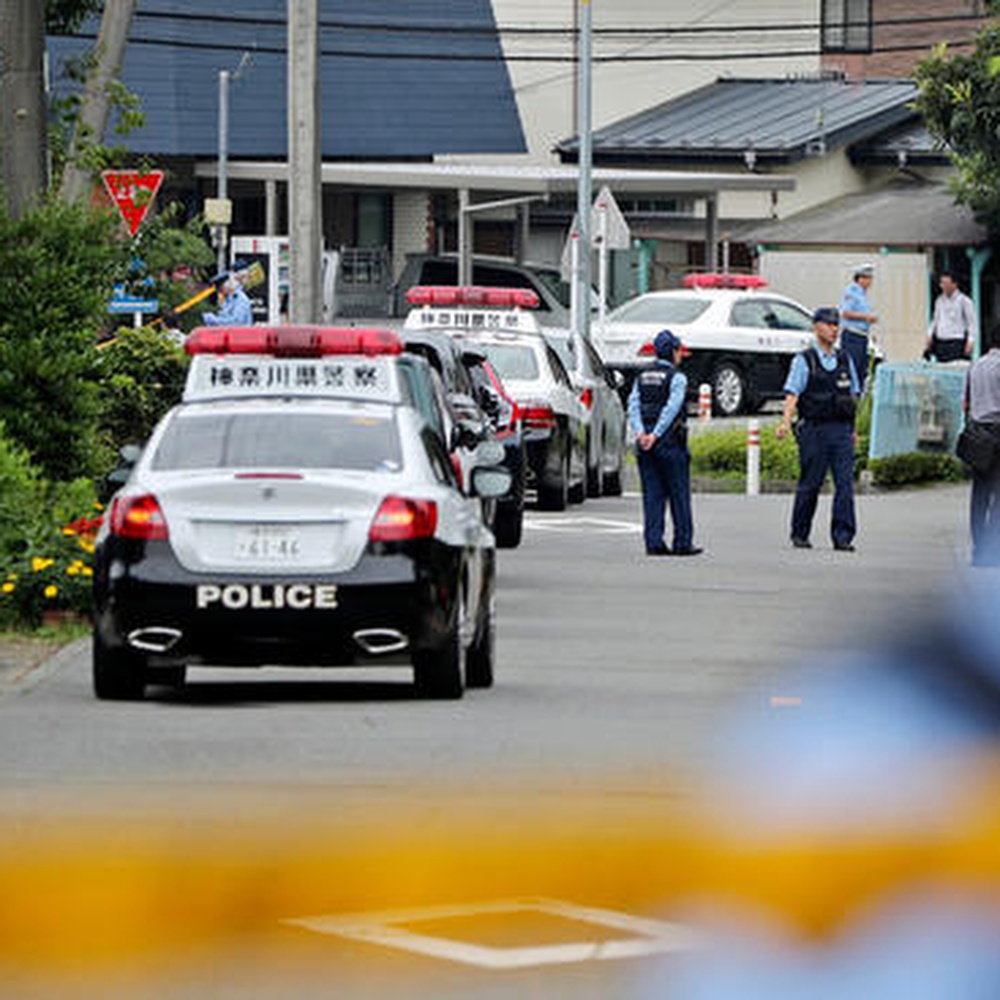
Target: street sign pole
[(581, 270)]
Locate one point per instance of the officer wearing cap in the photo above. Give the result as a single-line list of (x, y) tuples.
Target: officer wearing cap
[(658, 418), (822, 387), (857, 319), (235, 309)]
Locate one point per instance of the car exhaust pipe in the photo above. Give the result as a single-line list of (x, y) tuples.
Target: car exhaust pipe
[(154, 639), (381, 641)]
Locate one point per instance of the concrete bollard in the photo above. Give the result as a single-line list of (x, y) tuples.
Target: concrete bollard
[(704, 402), (753, 457)]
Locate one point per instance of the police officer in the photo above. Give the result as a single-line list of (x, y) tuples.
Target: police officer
[(857, 319), (823, 386), (236, 309), (658, 418)]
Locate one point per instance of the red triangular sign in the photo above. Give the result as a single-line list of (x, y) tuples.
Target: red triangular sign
[(133, 192)]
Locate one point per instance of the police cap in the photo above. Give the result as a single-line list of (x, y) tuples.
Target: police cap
[(826, 314), (665, 344)]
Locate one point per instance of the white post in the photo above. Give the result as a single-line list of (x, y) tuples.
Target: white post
[(753, 457), (603, 280), (704, 403)]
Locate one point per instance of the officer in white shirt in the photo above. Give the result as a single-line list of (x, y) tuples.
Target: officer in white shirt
[(953, 330)]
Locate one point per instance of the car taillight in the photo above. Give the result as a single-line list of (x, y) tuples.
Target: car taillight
[(401, 519), (138, 517), (647, 350), (587, 397), (537, 416)]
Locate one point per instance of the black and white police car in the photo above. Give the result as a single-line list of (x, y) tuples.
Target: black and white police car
[(295, 509)]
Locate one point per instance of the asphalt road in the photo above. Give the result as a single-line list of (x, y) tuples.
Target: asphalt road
[(616, 675)]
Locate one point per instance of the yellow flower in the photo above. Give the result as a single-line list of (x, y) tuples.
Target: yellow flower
[(86, 544), (73, 570), (68, 531), (87, 571), (7, 588), (38, 564), (98, 506), (51, 590)]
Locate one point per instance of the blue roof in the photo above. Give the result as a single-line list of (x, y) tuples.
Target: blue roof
[(399, 80), (780, 120)]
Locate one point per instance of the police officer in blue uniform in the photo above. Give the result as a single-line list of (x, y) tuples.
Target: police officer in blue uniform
[(236, 309), (658, 418), (823, 386)]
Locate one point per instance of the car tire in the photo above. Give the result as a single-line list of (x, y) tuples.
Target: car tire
[(593, 484), (555, 495), (730, 389), (509, 525), (612, 483), (481, 654), (437, 673), (576, 492), (118, 674)]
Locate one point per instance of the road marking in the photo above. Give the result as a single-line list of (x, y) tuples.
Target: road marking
[(387, 928), (595, 525)]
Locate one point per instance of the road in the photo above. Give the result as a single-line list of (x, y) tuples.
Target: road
[(616, 672)]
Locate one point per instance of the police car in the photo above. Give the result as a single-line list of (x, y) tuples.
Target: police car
[(740, 337), (295, 509), (554, 419)]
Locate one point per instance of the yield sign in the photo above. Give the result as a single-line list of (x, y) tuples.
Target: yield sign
[(133, 192)]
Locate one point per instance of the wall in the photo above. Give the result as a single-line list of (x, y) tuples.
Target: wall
[(899, 294)]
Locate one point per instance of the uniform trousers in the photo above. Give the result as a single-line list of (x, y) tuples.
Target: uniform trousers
[(951, 349), (856, 345), (984, 517), (665, 472), (825, 445)]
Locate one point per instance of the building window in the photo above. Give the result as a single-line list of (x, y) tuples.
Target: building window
[(847, 25)]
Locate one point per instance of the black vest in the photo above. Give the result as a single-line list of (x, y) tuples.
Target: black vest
[(654, 394), (827, 396)]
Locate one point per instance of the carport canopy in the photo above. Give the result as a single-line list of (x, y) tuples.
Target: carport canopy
[(516, 181)]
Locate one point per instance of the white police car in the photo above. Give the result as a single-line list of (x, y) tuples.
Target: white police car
[(295, 509)]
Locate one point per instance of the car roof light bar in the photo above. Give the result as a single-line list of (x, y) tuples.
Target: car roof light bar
[(450, 296), (293, 341), (712, 280)]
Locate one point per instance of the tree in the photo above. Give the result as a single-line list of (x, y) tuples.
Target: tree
[(959, 100)]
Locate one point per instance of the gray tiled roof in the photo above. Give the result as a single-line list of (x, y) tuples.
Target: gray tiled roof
[(908, 144), (376, 101), (780, 120)]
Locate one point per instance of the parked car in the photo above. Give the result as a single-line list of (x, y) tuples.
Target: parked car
[(741, 337), (501, 323), (599, 391), (295, 509)]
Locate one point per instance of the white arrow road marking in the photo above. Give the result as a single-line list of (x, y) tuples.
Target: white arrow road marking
[(387, 928), (595, 525)]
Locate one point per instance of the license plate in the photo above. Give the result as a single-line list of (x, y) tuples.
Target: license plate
[(268, 543)]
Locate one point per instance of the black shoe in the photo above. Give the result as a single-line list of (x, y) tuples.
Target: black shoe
[(692, 550), (843, 546), (801, 543), (662, 551)]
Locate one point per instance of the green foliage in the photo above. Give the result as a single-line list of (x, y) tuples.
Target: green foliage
[(916, 467), (58, 264), (62, 16), (21, 497), (959, 99), (141, 374), (723, 453)]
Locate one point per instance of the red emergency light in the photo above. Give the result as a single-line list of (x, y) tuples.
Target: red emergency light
[(648, 350), (711, 280), (450, 296), (292, 341)]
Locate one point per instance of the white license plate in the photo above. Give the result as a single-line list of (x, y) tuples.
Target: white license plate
[(268, 543)]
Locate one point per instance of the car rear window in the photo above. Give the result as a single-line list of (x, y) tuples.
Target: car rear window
[(512, 361), (278, 441), (659, 310)]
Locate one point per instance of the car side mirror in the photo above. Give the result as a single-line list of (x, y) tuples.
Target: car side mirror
[(491, 481), (118, 476)]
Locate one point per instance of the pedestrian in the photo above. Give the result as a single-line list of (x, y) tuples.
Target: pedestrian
[(822, 389), (235, 309), (657, 414), (953, 329), (982, 401), (857, 319)]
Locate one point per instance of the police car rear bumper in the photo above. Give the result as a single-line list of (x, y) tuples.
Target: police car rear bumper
[(380, 612)]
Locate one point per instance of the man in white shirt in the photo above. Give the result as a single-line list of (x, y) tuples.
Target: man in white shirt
[(953, 329)]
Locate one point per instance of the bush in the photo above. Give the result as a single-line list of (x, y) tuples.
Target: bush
[(141, 374), (916, 467), (21, 498), (723, 453)]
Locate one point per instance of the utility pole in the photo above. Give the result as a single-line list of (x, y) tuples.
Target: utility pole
[(305, 202), (94, 107), (23, 121), (584, 195)]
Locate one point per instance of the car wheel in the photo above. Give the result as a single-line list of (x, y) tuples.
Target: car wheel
[(481, 654), (555, 495), (437, 673), (612, 484), (730, 391), (118, 674), (593, 475), (577, 492), (509, 525)]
